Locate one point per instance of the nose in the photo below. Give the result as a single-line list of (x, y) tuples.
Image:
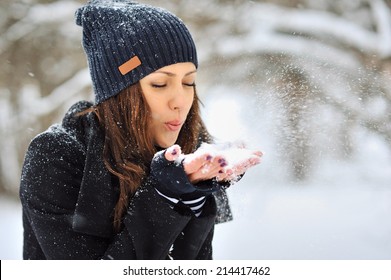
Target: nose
[(178, 99)]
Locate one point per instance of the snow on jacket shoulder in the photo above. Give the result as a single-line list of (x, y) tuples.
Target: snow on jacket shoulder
[(68, 197)]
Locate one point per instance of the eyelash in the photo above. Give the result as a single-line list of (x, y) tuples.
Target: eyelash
[(162, 86), (158, 86)]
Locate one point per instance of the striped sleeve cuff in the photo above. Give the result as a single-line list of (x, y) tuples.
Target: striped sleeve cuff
[(195, 205)]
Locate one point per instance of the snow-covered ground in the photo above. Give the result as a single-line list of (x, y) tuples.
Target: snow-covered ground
[(11, 233), (341, 212), (339, 221)]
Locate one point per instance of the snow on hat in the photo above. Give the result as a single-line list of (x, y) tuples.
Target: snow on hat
[(125, 41)]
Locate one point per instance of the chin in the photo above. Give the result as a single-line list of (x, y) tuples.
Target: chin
[(165, 140), (166, 144)]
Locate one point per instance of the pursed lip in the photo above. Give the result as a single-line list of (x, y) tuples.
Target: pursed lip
[(173, 125)]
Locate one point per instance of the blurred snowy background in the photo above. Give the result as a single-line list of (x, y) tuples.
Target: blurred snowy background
[(306, 81)]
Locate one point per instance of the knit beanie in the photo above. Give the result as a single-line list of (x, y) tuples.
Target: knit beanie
[(125, 41)]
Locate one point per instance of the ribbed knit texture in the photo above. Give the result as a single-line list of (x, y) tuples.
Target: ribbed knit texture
[(116, 31)]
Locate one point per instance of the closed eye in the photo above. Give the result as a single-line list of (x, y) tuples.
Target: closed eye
[(158, 85)]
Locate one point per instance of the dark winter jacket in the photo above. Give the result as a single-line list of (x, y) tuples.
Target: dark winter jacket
[(68, 197)]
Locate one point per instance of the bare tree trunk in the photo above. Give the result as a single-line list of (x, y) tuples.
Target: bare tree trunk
[(296, 132)]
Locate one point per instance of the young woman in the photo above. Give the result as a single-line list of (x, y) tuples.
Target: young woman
[(122, 178)]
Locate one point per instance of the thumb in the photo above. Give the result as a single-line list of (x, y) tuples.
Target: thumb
[(172, 153)]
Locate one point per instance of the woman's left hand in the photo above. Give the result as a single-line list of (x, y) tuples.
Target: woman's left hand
[(231, 173)]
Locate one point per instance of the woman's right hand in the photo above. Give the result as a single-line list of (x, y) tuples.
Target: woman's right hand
[(199, 166), (175, 177)]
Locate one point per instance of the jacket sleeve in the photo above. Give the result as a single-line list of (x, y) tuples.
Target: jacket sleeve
[(152, 227), (49, 192)]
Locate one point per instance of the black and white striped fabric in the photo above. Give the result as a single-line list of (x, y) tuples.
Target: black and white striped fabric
[(195, 205)]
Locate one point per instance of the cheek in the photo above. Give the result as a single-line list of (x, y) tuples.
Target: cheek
[(189, 102), (155, 116), (157, 111)]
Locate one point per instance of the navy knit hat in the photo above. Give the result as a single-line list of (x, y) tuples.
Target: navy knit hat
[(125, 41)]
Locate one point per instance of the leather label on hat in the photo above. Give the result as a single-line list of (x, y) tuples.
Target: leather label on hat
[(129, 65)]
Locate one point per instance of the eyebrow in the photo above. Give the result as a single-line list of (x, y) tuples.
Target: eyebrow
[(173, 74)]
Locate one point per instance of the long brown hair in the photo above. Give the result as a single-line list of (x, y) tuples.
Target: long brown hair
[(128, 148)]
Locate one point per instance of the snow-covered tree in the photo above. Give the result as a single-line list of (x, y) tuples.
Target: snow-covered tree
[(43, 70)]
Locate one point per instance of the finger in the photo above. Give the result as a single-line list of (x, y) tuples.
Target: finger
[(206, 172), (258, 153), (172, 153), (194, 162), (216, 166), (223, 175), (255, 161), (209, 170), (244, 166)]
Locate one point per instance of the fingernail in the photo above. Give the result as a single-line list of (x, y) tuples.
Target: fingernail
[(223, 164), (174, 152), (221, 160), (209, 157), (221, 171)]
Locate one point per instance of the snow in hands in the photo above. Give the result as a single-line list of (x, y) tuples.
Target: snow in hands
[(223, 161)]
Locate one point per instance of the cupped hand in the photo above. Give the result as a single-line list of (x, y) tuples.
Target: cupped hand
[(199, 166), (232, 172), (202, 165)]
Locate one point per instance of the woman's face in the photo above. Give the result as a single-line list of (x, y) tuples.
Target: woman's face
[(169, 93)]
